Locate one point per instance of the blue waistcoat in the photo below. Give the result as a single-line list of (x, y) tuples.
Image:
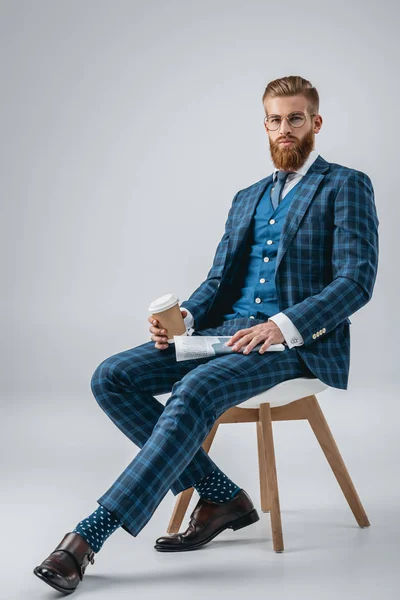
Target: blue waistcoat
[(258, 292)]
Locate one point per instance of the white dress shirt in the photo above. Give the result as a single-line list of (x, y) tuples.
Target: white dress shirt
[(290, 333)]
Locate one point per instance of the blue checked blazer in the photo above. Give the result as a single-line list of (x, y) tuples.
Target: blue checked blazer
[(326, 263)]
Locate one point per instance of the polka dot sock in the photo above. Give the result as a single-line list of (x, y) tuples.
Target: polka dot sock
[(96, 528), (217, 487)]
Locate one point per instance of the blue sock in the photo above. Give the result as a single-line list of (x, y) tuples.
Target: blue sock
[(216, 486), (97, 527)]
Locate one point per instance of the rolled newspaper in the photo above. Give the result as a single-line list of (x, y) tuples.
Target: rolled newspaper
[(200, 346)]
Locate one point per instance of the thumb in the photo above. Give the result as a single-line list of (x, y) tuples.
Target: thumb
[(184, 312)]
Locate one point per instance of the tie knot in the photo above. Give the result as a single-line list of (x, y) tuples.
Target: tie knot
[(283, 174)]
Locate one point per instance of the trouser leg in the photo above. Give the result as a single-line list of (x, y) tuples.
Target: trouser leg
[(196, 401), (123, 386)]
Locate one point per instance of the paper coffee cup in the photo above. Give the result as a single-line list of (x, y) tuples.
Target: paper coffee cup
[(166, 310)]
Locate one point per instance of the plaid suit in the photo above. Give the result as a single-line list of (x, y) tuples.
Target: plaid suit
[(170, 437), (326, 269)]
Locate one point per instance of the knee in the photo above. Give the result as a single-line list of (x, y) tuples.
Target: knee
[(100, 378), (105, 379)]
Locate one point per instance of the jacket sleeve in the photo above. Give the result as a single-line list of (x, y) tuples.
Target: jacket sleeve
[(200, 300), (354, 262)]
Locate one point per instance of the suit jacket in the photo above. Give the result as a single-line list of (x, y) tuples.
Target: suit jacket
[(326, 263)]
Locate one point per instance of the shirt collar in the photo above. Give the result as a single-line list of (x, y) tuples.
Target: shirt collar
[(303, 170)]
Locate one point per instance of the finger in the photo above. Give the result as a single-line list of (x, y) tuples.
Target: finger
[(157, 331), (159, 338), (244, 340), (235, 337), (152, 320), (264, 347), (161, 346), (156, 325), (239, 334), (256, 340)]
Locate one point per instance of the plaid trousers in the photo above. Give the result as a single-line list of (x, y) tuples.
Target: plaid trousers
[(170, 437)]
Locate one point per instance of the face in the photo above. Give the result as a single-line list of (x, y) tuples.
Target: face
[(290, 146)]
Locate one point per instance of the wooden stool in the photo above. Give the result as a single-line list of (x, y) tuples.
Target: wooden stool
[(290, 400)]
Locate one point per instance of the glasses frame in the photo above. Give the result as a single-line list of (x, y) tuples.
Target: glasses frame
[(287, 118)]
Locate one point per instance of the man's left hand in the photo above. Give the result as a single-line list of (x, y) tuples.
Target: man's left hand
[(247, 339)]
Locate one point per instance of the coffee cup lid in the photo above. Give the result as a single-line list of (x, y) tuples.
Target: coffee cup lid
[(163, 303)]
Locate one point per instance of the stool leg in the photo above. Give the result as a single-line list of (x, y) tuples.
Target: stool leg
[(327, 442), (183, 499), (275, 511), (262, 467)]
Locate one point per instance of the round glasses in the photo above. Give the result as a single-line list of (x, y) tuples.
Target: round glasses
[(297, 119)]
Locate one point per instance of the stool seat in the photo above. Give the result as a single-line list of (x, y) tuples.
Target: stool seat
[(286, 392)]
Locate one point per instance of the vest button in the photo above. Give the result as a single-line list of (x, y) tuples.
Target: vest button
[(269, 242), (272, 221), (258, 300), (266, 259), (251, 317), (262, 280)]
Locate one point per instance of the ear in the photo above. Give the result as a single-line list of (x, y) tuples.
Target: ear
[(317, 123)]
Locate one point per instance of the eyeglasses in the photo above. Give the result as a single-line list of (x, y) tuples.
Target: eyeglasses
[(295, 119)]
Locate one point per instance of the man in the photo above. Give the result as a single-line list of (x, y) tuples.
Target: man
[(298, 256)]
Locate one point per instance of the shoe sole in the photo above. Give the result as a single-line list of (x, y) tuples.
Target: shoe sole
[(248, 519), (53, 585)]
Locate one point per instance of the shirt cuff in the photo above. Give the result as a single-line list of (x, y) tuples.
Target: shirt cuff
[(290, 332), (189, 321)]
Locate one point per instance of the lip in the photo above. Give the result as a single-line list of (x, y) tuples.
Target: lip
[(286, 142)]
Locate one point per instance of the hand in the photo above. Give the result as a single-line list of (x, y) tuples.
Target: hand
[(160, 335), (247, 339)]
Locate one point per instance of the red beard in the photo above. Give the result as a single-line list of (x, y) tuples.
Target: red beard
[(291, 158)]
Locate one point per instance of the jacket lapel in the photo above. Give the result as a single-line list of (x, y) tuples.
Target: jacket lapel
[(306, 191), (250, 199)]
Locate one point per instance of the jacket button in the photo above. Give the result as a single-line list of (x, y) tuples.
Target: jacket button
[(258, 300)]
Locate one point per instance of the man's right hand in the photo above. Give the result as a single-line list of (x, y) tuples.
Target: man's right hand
[(159, 335)]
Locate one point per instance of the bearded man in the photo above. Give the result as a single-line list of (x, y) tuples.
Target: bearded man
[(298, 256)]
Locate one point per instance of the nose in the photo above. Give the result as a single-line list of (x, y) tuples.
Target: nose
[(284, 128)]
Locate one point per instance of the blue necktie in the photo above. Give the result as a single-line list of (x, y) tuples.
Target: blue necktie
[(277, 191)]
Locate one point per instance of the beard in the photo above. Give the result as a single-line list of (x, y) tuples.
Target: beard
[(291, 158)]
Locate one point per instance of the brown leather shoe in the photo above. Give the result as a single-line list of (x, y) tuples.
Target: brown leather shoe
[(64, 568), (209, 519)]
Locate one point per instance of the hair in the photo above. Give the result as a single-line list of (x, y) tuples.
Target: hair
[(292, 86)]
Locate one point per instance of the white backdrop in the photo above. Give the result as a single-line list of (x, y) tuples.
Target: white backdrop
[(126, 129)]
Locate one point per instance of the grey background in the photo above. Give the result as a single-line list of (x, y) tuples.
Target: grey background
[(126, 130)]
